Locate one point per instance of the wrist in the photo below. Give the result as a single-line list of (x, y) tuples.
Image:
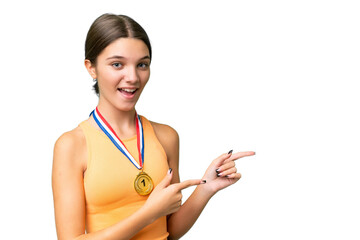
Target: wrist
[(205, 191), (149, 214)]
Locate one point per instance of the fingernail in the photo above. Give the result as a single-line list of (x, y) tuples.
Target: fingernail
[(230, 151), (219, 174), (203, 181), (170, 170), (227, 176), (217, 170)]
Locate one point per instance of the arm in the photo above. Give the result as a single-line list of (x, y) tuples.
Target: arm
[(181, 221), (69, 197)]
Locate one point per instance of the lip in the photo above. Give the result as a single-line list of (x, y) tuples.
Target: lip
[(128, 95)]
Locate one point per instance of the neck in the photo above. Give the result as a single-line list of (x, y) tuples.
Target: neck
[(123, 122)]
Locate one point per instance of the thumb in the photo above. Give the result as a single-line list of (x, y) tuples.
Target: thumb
[(166, 180)]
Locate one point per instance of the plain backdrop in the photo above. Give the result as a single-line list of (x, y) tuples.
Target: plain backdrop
[(276, 77)]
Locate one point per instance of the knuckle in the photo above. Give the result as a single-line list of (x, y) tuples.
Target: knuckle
[(173, 188)]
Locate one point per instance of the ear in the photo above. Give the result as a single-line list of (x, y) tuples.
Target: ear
[(90, 68)]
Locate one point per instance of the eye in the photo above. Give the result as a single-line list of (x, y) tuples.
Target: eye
[(117, 65), (144, 65)]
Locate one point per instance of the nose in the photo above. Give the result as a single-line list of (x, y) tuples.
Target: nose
[(131, 75)]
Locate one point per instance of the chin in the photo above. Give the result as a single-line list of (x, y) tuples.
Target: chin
[(125, 107)]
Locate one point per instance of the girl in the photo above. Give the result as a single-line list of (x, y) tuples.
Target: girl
[(116, 175)]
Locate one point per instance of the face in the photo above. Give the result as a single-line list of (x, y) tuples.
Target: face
[(122, 70)]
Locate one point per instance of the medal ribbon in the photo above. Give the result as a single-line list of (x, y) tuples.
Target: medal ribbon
[(109, 131)]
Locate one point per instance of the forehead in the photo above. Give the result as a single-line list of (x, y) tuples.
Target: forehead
[(130, 48)]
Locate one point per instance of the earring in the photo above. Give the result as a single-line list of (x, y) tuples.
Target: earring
[(95, 79)]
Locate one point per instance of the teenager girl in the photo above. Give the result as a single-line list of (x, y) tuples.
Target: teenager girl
[(115, 176)]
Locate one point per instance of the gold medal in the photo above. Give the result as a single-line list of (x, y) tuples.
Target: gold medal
[(143, 184)]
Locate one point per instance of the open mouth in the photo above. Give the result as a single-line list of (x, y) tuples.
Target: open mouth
[(127, 91)]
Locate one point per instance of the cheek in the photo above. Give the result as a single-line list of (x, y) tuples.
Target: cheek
[(145, 77), (110, 77)]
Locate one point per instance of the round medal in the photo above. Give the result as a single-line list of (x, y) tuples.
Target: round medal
[(143, 184)]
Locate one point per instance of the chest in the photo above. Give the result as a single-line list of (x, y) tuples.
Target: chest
[(109, 179)]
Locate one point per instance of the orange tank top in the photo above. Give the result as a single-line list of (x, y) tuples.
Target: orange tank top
[(109, 180)]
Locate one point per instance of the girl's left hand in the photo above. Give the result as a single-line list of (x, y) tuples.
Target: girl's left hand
[(222, 171)]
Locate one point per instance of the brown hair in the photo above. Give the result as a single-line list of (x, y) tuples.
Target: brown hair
[(106, 29)]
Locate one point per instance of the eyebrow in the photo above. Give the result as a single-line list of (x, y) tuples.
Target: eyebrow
[(121, 57)]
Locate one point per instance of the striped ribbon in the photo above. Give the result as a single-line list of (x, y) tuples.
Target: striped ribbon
[(109, 131)]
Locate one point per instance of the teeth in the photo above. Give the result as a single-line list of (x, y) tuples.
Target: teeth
[(128, 90)]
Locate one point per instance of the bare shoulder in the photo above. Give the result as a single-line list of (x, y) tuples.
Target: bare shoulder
[(166, 134), (70, 141), (70, 148), (169, 139)]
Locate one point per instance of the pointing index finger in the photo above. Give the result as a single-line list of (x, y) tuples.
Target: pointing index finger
[(238, 155), (188, 183)]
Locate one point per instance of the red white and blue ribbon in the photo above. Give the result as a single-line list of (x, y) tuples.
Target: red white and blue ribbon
[(109, 131)]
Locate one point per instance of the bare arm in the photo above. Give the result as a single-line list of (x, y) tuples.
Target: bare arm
[(181, 221)]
